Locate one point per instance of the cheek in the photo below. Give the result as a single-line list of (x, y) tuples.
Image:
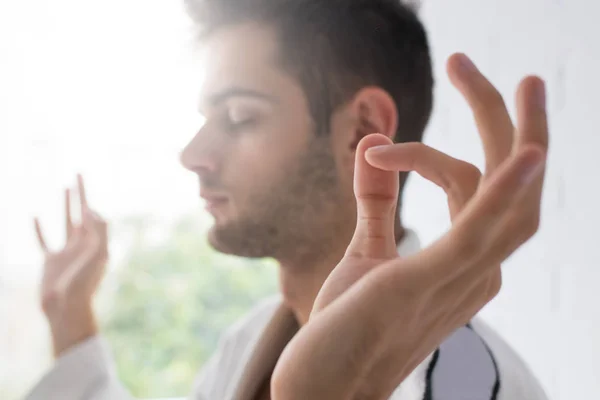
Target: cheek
[(271, 146), (257, 161), (256, 164)]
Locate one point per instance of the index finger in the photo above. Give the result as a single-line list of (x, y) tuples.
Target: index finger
[(449, 173), (457, 178), (81, 190), (489, 110)]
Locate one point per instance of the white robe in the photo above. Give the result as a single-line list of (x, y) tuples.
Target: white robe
[(469, 365)]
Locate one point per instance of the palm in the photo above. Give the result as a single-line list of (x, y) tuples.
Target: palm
[(77, 268), (58, 270)]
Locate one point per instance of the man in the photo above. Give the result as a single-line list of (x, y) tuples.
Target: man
[(289, 169)]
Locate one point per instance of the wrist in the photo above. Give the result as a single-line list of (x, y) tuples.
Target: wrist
[(70, 327)]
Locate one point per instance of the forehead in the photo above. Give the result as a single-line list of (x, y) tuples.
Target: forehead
[(245, 56)]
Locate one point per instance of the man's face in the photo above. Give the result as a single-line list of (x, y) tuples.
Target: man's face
[(270, 182)]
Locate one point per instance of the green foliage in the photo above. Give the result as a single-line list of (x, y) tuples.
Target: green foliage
[(170, 300)]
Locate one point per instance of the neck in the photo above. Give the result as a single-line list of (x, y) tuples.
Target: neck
[(301, 280)]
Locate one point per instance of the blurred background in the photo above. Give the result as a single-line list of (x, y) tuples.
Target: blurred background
[(108, 89)]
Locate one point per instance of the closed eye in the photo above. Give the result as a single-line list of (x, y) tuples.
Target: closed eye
[(235, 126)]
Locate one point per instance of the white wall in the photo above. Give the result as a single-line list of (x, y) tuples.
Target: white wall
[(549, 308), (549, 305)]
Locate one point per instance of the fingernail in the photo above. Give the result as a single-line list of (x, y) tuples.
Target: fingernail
[(378, 149)]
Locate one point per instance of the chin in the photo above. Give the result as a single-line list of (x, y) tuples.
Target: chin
[(218, 240), (215, 243), (230, 241)]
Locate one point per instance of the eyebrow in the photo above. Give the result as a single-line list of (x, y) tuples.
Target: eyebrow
[(219, 97)]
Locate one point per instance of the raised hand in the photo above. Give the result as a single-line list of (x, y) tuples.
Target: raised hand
[(374, 320), (73, 273)]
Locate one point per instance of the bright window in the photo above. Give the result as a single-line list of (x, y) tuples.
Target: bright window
[(108, 89)]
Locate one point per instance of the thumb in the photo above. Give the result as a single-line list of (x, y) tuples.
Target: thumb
[(376, 193)]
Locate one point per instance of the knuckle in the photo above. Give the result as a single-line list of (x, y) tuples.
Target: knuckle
[(467, 182), (529, 226), (494, 285), (470, 172)]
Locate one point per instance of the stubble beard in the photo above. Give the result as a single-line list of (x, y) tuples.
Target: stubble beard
[(298, 219)]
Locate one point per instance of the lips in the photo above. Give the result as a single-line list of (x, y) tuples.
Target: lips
[(214, 201)]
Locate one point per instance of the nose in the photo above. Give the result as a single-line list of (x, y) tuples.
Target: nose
[(202, 153)]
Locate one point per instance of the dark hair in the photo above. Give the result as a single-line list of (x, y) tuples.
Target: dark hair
[(337, 47)]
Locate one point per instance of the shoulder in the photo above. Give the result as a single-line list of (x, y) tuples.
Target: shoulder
[(517, 381)]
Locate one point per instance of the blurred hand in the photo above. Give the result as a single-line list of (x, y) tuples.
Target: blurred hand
[(73, 273), (377, 317)]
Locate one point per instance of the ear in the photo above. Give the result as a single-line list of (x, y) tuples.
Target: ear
[(370, 110), (374, 111)]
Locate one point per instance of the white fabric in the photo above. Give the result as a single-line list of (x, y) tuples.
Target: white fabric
[(516, 379), (247, 353)]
